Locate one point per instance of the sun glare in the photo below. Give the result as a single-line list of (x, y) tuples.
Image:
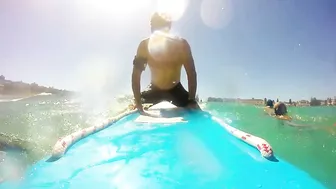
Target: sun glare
[(216, 14), (93, 74), (175, 8), (110, 7)]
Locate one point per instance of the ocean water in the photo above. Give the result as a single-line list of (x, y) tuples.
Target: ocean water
[(36, 123)]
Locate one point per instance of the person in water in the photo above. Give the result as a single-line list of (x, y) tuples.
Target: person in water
[(269, 109), (165, 55), (270, 103), (280, 109)]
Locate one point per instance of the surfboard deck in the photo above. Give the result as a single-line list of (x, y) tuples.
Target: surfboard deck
[(138, 152)]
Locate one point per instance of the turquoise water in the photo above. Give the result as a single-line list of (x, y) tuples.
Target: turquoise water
[(37, 123), (312, 148)]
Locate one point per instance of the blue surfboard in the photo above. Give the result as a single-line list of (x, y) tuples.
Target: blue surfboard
[(175, 148)]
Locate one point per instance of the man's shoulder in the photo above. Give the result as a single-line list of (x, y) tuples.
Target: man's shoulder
[(168, 35), (144, 41), (142, 48), (179, 41), (172, 38), (177, 38), (185, 43)]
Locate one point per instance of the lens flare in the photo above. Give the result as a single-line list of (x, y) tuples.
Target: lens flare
[(216, 14), (174, 8), (108, 8)]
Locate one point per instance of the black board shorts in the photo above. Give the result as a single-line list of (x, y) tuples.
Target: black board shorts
[(177, 95)]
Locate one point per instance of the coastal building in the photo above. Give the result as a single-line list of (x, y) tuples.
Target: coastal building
[(333, 102), (229, 100), (303, 103), (259, 102), (323, 103), (2, 87)]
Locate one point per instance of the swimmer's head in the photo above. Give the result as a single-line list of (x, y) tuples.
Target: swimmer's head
[(270, 103), (280, 108), (277, 104), (160, 21)]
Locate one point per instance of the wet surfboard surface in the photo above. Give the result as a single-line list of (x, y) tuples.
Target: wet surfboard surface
[(182, 149)]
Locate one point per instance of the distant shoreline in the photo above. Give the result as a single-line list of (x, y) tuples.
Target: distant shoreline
[(12, 97), (262, 104), (8, 98), (17, 90)]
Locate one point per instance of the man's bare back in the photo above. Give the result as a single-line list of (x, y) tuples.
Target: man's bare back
[(165, 55), (165, 59)]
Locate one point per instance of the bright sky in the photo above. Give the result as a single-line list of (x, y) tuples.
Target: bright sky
[(242, 48)]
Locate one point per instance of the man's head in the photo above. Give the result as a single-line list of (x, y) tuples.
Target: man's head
[(270, 103), (160, 21)]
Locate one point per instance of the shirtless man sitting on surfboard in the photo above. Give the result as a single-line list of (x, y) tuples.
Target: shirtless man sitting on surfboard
[(165, 55)]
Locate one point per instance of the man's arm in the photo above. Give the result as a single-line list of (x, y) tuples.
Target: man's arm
[(139, 65), (190, 69)]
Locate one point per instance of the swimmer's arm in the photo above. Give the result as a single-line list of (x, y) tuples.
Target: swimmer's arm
[(189, 66), (139, 65)]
